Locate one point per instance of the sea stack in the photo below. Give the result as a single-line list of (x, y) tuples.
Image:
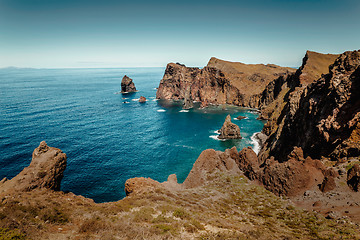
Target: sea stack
[(127, 85), (229, 130)]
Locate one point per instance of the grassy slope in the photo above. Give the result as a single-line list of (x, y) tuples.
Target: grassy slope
[(229, 207)]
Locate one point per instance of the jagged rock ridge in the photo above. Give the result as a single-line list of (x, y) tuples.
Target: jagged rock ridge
[(220, 82)]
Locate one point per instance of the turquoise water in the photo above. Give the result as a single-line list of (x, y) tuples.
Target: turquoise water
[(106, 140)]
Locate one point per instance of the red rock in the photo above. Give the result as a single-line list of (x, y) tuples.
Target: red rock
[(135, 185), (142, 99), (46, 170), (229, 130), (127, 85), (353, 178)]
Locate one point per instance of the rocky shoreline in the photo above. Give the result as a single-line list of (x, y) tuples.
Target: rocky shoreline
[(310, 151)]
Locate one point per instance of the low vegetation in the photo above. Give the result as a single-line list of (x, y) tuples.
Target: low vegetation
[(227, 208)]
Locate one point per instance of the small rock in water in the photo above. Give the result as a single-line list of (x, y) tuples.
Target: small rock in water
[(142, 99)]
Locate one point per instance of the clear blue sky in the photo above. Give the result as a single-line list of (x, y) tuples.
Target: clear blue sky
[(115, 33)]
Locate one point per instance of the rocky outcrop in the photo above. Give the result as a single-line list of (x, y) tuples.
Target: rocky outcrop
[(220, 82), (328, 183), (142, 99), (210, 161), (127, 85), (45, 171), (229, 130), (353, 178), (138, 184), (321, 118)]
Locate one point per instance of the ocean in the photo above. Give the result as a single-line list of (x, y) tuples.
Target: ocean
[(108, 137)]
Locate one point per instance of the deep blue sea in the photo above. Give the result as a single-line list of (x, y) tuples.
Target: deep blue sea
[(106, 140)]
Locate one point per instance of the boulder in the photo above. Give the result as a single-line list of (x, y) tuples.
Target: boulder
[(229, 130), (353, 178), (328, 183), (142, 99), (127, 85), (46, 170)]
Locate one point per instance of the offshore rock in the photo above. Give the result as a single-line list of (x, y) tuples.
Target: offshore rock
[(229, 130), (127, 85), (142, 99), (45, 171)]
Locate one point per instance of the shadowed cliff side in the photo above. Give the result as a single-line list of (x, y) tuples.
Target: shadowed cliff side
[(323, 117)]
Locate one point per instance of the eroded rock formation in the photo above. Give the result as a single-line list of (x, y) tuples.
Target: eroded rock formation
[(45, 171), (127, 85), (229, 130)]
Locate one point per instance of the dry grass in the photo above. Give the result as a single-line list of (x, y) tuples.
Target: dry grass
[(227, 208)]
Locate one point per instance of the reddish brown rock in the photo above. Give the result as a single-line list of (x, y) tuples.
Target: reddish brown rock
[(45, 171), (249, 163), (220, 82), (134, 185), (142, 99), (210, 161), (329, 183), (240, 117), (323, 117), (353, 178), (289, 178), (229, 130), (127, 85)]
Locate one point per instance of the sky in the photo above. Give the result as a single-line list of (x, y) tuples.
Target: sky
[(136, 33)]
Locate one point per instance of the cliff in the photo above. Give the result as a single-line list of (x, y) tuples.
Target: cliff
[(220, 82), (215, 202), (322, 117)]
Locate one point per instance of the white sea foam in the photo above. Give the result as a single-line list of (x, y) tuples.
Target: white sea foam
[(161, 110), (216, 131), (117, 92), (155, 100), (255, 143), (136, 99), (151, 97), (215, 137), (184, 110)]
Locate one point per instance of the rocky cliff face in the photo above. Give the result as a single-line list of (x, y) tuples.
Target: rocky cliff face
[(220, 82), (45, 171), (322, 118)]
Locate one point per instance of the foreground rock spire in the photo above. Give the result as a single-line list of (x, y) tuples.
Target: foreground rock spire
[(46, 170)]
